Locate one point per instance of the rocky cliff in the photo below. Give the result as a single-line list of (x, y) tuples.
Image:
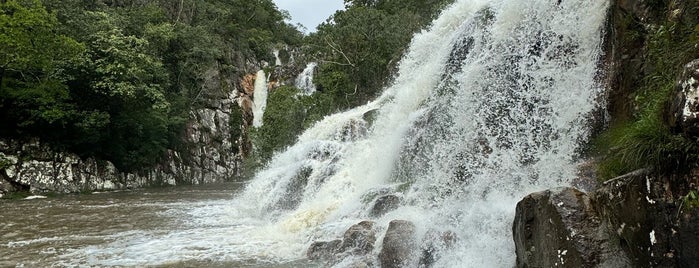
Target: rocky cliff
[(213, 145)]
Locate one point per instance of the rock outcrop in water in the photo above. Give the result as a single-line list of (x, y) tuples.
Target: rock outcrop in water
[(400, 247)]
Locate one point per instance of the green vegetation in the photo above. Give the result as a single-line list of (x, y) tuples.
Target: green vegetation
[(645, 140), (691, 200), (359, 48), (116, 79)]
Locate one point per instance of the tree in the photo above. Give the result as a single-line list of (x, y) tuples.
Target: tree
[(32, 56)]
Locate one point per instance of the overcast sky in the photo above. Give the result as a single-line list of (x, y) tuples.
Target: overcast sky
[(310, 13)]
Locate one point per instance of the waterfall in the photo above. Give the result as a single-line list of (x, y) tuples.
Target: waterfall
[(492, 102), (259, 99), (277, 60), (305, 79), (489, 104)]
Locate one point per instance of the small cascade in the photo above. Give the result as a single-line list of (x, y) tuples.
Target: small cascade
[(259, 99), (305, 79), (277, 60)]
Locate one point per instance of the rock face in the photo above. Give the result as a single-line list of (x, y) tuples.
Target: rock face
[(655, 224), (210, 154), (683, 114), (399, 245), (637, 220), (559, 227)]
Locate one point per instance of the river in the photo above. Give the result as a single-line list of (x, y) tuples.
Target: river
[(190, 226)]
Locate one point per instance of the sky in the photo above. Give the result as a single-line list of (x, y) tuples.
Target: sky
[(310, 13)]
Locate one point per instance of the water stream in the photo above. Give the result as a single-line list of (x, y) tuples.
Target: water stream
[(489, 104)]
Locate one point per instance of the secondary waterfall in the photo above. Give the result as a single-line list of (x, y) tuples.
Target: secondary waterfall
[(259, 99), (490, 104), (305, 79)]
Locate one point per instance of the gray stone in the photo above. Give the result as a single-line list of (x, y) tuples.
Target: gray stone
[(323, 250), (649, 216), (560, 228), (399, 245), (384, 205), (359, 239)]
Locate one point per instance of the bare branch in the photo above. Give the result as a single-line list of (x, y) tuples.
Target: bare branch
[(335, 48)]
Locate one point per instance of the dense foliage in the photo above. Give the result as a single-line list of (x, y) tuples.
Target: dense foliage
[(644, 140), (116, 79), (358, 48)]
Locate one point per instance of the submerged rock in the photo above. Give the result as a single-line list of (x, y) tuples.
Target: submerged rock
[(433, 243), (384, 205), (323, 250), (559, 227), (399, 245), (359, 239), (352, 250)]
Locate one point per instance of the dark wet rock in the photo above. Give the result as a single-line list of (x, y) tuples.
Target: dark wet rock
[(352, 250), (559, 227), (370, 116), (683, 113), (323, 250), (384, 205), (637, 220), (653, 219), (359, 239), (400, 247), (295, 189), (433, 243)]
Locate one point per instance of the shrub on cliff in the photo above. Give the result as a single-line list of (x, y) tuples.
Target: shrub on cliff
[(645, 140)]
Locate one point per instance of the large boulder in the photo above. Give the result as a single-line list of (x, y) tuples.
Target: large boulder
[(352, 250), (559, 227), (359, 239), (683, 113), (654, 217), (399, 245), (637, 220)]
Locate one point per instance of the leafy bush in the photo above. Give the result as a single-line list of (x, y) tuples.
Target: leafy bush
[(288, 114)]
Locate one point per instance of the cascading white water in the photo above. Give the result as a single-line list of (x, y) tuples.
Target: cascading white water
[(305, 79), (277, 60), (490, 104), (259, 99)]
